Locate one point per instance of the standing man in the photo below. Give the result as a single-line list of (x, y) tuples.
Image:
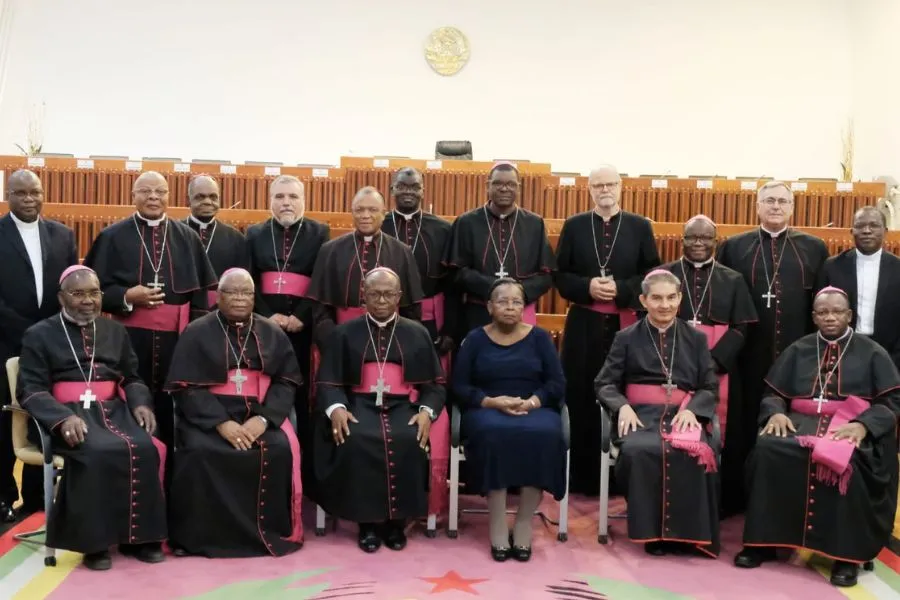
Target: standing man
[(715, 300), (33, 255), (283, 251), (871, 279), (154, 275), (781, 267), (224, 245), (601, 258), (500, 239)]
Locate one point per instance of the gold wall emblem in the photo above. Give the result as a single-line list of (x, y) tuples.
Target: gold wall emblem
[(447, 50)]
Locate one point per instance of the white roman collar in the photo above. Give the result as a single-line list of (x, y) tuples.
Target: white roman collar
[(382, 324), (200, 223), (774, 234), (151, 223)]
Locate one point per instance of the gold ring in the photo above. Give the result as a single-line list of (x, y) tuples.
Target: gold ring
[(334, 431)]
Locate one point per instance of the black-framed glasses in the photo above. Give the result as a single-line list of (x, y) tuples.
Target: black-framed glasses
[(373, 296), (84, 294)]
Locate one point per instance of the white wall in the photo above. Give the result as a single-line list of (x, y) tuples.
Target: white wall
[(737, 87)]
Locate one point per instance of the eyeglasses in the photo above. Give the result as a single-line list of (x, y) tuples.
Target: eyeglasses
[(22, 194), (604, 186), (504, 185), (82, 294), (147, 192), (373, 296), (778, 201), (507, 303), (693, 239), (238, 293)]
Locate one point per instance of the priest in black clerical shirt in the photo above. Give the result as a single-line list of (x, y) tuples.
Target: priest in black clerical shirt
[(499, 239), (601, 258), (224, 245), (871, 278), (781, 266), (715, 300)]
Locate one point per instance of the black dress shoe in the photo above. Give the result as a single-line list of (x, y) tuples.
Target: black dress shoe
[(98, 561), (148, 553), (843, 574), (368, 540), (752, 557), (500, 554), (7, 513), (394, 536), (520, 553), (655, 548)]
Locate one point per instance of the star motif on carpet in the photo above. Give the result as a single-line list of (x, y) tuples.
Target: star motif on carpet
[(451, 580)]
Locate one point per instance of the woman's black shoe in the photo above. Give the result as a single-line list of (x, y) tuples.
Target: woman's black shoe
[(520, 553), (500, 554)]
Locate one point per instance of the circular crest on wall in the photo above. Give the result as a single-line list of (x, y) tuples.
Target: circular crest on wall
[(447, 50)]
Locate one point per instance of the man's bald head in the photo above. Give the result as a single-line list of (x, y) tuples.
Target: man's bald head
[(204, 197), (605, 186), (367, 192), (24, 176), (25, 195), (870, 211), (149, 178), (150, 193), (382, 292), (382, 275), (236, 277)]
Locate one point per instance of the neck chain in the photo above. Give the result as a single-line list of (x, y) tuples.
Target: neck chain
[(770, 282), (837, 363), (90, 374), (695, 320), (162, 252), (612, 246), (418, 229), (362, 268), (215, 226), (237, 357), (287, 257), (667, 371), (379, 388), (502, 260)]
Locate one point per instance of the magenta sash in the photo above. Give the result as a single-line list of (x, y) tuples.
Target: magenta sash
[(292, 284), (688, 441), (714, 333), (393, 376), (68, 392), (832, 457), (257, 385), (349, 313), (433, 310), (165, 317), (212, 298), (627, 317)]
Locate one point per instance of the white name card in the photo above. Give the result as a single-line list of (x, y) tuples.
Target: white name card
[(798, 186), (845, 186), (84, 163), (320, 172), (273, 171), (704, 184), (748, 185), (133, 165), (659, 183), (434, 165), (35, 161), (566, 181), (182, 168), (228, 169), (381, 163)]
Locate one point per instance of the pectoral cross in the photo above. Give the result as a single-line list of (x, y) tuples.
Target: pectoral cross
[(603, 272), (156, 283), (694, 322), (768, 298), (279, 282), (669, 387), (238, 380), (379, 388), (87, 397), (501, 273), (820, 400)]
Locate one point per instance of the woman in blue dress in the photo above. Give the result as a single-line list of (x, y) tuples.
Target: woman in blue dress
[(509, 383)]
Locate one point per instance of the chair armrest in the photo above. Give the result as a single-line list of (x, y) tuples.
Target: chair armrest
[(455, 424), (605, 429), (566, 426), (46, 445)]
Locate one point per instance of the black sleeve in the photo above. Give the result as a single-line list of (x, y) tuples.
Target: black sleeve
[(136, 391), (628, 290), (573, 287), (609, 385), (706, 392), (99, 259), (35, 385)]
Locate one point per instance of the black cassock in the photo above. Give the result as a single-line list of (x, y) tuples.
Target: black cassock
[(670, 495), (626, 242), (110, 492), (226, 502), (790, 504), (122, 260), (340, 269), (724, 308), (783, 318), (380, 472), (484, 246), (225, 247)]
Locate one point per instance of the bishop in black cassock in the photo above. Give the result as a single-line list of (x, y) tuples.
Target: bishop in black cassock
[(499, 239), (716, 301), (155, 275), (607, 245), (823, 475), (78, 377), (781, 266)]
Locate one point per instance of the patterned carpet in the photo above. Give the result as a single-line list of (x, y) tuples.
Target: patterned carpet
[(333, 568)]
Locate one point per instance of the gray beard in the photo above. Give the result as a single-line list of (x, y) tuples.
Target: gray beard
[(287, 221)]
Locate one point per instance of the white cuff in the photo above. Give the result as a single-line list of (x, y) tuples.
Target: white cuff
[(429, 411), (333, 408), (129, 307)]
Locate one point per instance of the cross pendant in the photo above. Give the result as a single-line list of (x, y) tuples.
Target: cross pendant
[(768, 297), (87, 397), (501, 273), (238, 380), (819, 401), (156, 283), (695, 322), (602, 272), (669, 387), (379, 388), (279, 282)]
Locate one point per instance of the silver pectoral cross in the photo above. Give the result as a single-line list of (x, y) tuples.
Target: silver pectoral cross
[(669, 387), (238, 380), (501, 273), (602, 271), (279, 282), (156, 283), (87, 397), (820, 400), (768, 298), (695, 322), (379, 388)]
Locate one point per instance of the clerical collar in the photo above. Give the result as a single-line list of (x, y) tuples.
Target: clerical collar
[(24, 224), (657, 327), (844, 335), (200, 223), (869, 257), (367, 238), (493, 210), (149, 222), (774, 234), (71, 320), (410, 216), (699, 265), (610, 218), (381, 324)]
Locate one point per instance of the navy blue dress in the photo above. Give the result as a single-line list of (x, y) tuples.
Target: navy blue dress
[(505, 451)]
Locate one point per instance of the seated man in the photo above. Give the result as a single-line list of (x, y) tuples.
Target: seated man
[(236, 488), (823, 474), (659, 383), (380, 385), (78, 378), (510, 382)]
